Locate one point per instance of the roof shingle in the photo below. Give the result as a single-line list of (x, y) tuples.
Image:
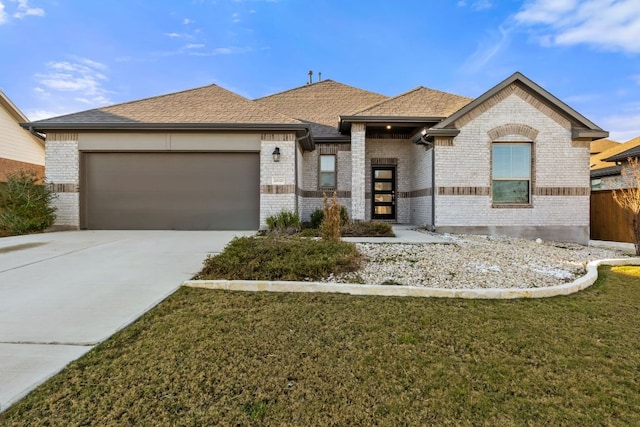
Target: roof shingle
[(321, 104), (208, 104), (418, 102)]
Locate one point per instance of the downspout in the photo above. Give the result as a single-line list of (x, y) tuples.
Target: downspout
[(433, 180)]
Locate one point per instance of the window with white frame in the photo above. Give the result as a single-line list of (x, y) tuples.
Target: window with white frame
[(511, 173), (327, 175)]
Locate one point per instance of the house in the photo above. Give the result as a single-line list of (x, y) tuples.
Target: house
[(607, 165), (514, 161), (20, 150)]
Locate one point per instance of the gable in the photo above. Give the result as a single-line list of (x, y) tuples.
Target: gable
[(17, 143), (519, 85)]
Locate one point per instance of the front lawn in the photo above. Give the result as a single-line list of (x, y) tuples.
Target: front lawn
[(232, 358)]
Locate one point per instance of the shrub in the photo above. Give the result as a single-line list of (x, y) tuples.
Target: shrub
[(277, 257), (330, 226), (286, 222), (318, 215), (368, 229), (25, 205)]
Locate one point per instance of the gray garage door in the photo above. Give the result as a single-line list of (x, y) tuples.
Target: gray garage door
[(170, 191)]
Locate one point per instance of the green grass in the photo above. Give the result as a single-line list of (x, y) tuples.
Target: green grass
[(277, 257), (224, 358)]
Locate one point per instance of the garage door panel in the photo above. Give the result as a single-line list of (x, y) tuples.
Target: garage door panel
[(182, 191)]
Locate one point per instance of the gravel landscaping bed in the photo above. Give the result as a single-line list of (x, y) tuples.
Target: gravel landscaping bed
[(470, 261)]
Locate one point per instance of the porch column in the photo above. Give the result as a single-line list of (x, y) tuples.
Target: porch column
[(358, 171)]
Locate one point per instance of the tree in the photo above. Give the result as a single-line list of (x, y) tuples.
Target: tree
[(25, 205), (629, 196)]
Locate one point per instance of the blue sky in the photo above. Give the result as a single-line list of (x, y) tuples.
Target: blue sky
[(63, 56)]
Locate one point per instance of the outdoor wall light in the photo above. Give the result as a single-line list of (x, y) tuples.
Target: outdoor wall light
[(276, 154)]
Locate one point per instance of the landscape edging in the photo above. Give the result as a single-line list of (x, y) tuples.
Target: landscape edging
[(414, 291)]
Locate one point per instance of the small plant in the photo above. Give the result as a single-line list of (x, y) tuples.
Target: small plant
[(318, 215), (286, 222), (629, 197), (330, 226), (25, 205), (367, 229)]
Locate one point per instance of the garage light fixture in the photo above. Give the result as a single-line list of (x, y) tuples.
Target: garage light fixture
[(276, 154)]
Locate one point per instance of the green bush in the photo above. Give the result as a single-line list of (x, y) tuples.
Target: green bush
[(318, 215), (367, 229), (285, 222), (277, 257), (25, 205)]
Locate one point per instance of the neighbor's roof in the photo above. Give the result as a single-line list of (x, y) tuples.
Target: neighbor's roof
[(321, 104), (607, 159), (582, 127), (208, 105), (600, 145), (632, 149), (418, 102)]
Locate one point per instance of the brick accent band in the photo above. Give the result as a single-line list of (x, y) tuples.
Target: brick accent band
[(319, 193), (384, 161), (278, 137), (358, 127), (332, 148), (463, 191), (423, 192), (64, 188), (562, 191), (277, 189), (443, 141), (62, 136), (513, 129), (576, 143)]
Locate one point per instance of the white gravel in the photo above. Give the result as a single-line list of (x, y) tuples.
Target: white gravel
[(470, 261)]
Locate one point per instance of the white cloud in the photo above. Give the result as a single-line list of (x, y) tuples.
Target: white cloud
[(173, 35), (235, 18), (194, 46), (25, 10), (3, 15), (188, 21), (487, 49), (83, 78), (40, 114), (606, 24), (476, 5)]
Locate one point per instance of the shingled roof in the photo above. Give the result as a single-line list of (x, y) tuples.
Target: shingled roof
[(320, 104), (418, 102), (604, 163), (208, 105)]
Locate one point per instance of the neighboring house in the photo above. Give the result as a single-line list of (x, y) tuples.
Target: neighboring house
[(20, 150), (514, 161), (607, 165)]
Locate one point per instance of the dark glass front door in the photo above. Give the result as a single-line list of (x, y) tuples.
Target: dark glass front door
[(383, 183)]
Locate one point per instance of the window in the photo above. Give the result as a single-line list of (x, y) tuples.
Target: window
[(328, 171), (511, 173)]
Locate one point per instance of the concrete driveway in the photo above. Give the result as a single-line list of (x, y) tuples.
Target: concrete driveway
[(62, 293)]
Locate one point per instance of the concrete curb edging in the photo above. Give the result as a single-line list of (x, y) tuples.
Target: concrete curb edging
[(413, 291)]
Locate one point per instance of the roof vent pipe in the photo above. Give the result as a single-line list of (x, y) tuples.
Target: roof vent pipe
[(319, 76), (310, 77)]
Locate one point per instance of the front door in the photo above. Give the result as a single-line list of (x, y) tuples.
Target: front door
[(383, 186)]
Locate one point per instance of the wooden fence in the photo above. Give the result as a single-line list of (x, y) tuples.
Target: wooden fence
[(608, 220)]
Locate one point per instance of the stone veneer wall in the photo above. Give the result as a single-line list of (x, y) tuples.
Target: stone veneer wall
[(560, 173), (277, 179), (62, 173)]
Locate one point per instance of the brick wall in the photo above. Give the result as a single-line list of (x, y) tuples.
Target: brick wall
[(277, 179), (8, 167), (358, 169), (421, 185), (559, 167), (62, 170)]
